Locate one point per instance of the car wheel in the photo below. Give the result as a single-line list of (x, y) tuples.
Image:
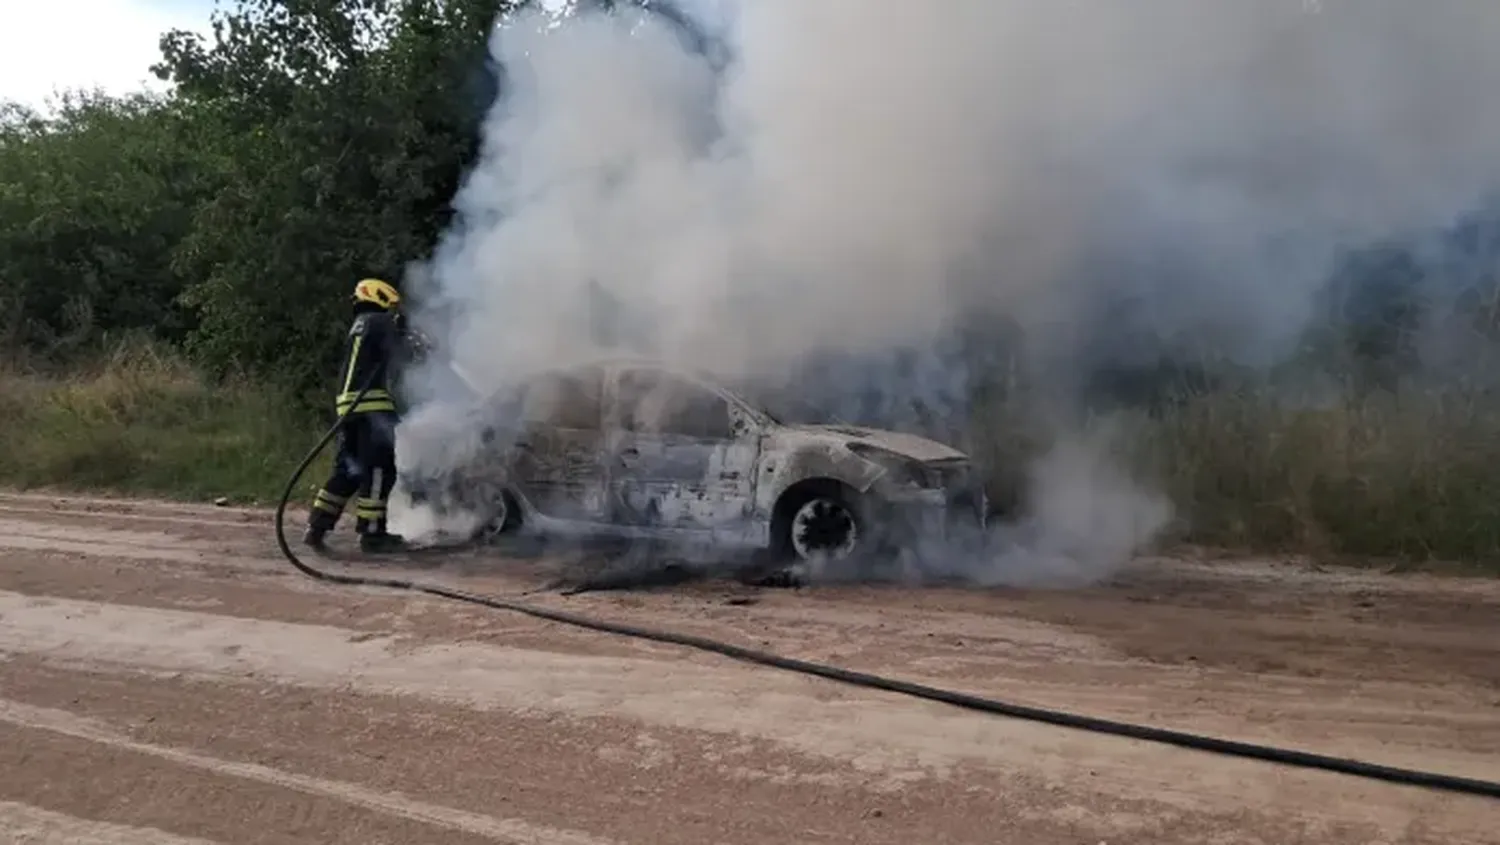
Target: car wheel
[(818, 524), (502, 516), (825, 528)]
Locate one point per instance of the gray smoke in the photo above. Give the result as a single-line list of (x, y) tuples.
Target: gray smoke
[(865, 180)]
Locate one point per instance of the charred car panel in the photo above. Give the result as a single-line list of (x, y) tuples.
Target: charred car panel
[(634, 449)]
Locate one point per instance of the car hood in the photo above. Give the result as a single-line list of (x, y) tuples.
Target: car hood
[(907, 445)]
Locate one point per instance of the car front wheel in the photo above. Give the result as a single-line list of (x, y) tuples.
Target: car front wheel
[(825, 528), (819, 523)]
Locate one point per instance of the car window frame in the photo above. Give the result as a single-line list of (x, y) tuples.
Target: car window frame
[(624, 414), (594, 381)]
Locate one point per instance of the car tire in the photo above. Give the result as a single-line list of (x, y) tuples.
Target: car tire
[(502, 517), (821, 523)]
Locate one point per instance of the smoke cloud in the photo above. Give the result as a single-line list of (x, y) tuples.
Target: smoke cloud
[(857, 184)]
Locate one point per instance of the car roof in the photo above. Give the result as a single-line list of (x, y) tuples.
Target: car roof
[(619, 362)]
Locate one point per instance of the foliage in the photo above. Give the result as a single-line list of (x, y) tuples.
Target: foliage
[(309, 144), (347, 125), (138, 419), (1388, 474), (92, 201), (1384, 476)]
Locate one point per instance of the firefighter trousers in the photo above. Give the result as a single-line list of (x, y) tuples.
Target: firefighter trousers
[(364, 468)]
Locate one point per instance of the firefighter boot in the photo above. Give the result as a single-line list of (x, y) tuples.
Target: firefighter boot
[(324, 516), (381, 542), (313, 538), (371, 525), (318, 526)]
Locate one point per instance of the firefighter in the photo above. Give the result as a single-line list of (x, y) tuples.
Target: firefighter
[(365, 467)]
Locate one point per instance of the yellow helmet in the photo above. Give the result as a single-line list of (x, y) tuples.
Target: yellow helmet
[(377, 292)]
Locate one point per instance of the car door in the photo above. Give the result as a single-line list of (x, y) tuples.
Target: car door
[(558, 454), (676, 458)]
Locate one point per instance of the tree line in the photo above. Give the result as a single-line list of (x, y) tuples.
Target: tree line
[(312, 142), (308, 143)]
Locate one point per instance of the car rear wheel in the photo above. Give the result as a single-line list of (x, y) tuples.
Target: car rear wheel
[(501, 517)]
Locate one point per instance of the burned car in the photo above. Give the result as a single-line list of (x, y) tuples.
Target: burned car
[(635, 449)]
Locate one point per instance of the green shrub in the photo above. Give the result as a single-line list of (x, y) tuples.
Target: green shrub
[(141, 421)]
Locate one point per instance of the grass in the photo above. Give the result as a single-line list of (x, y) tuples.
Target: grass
[(1410, 477), (140, 421), (1407, 477)]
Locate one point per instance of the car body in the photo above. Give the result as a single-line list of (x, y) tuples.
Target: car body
[(632, 448)]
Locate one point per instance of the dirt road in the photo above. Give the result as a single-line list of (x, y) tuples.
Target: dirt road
[(165, 680)]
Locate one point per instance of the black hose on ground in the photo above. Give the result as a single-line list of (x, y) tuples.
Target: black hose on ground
[(1283, 756)]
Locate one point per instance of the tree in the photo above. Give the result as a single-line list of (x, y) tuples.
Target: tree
[(93, 200), (345, 126)]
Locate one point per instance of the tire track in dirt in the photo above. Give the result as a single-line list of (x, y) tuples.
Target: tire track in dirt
[(905, 744), (937, 772), (604, 775), (167, 585), (22, 824), (1022, 661), (499, 830), (120, 786), (105, 505)]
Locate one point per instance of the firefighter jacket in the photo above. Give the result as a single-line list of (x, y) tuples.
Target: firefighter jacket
[(374, 339)]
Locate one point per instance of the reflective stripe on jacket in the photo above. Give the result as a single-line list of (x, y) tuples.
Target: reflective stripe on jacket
[(372, 344)]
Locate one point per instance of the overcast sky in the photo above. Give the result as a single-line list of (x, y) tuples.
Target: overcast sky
[(51, 44)]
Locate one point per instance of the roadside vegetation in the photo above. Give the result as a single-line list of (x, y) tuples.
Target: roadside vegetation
[(140, 419), (1386, 476), (1374, 476), (174, 272)]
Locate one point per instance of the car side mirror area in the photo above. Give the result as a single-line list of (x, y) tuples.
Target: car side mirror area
[(740, 425)]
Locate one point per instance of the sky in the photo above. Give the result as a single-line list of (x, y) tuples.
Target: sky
[(47, 45)]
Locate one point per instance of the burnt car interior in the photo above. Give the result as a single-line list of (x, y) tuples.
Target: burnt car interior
[(645, 402), (662, 404), (642, 453)]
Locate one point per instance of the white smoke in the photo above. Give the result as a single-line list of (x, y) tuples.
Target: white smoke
[(863, 175)]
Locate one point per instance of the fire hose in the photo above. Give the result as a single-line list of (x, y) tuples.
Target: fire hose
[(1233, 748)]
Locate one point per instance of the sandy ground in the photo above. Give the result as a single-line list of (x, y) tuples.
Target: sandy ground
[(165, 679)]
